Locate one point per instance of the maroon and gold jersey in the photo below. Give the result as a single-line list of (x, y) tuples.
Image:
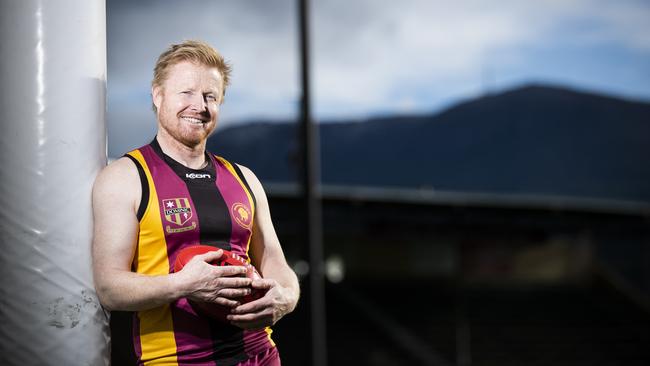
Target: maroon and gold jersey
[(182, 207)]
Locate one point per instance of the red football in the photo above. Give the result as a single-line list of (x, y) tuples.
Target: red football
[(227, 258)]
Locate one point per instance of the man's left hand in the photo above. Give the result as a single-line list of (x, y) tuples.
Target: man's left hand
[(265, 311)]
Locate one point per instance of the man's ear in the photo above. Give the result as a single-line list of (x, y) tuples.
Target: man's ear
[(156, 95)]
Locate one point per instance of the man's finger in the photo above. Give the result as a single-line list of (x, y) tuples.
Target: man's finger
[(250, 307), (234, 282), (226, 302), (232, 293), (262, 284), (233, 271), (210, 256)]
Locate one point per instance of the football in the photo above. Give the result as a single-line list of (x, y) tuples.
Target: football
[(228, 258)]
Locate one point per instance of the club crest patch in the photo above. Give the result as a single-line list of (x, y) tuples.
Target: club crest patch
[(242, 215), (177, 210)]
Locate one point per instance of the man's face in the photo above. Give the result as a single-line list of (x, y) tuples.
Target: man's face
[(188, 102)]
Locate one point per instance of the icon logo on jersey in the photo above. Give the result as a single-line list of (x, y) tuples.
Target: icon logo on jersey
[(177, 210), (197, 176), (241, 214)]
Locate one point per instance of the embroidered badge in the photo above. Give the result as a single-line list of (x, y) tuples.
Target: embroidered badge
[(177, 210)]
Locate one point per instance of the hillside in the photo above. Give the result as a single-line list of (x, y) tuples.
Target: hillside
[(531, 140)]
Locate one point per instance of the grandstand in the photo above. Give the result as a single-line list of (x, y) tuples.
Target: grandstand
[(448, 279)]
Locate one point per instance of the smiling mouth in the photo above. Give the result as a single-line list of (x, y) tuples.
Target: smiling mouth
[(195, 121)]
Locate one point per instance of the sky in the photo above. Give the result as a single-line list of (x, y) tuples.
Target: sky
[(375, 57)]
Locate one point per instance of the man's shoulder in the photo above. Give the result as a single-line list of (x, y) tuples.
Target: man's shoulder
[(118, 175), (120, 165), (117, 189), (251, 179), (124, 163)]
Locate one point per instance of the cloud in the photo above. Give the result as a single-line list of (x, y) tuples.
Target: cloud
[(381, 56), (366, 51)]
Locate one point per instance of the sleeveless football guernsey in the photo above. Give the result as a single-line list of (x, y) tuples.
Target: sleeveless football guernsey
[(181, 207)]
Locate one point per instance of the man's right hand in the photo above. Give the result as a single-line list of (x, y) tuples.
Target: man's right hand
[(205, 282)]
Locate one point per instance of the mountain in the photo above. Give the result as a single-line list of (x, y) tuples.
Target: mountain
[(530, 140)]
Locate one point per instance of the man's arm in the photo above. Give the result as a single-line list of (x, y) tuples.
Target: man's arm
[(116, 196), (267, 256)]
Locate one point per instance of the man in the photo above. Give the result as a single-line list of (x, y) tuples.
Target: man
[(172, 194)]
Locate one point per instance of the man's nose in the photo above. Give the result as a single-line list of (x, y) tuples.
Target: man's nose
[(199, 102)]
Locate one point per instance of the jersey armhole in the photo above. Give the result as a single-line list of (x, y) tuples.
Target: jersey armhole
[(243, 179), (144, 200)]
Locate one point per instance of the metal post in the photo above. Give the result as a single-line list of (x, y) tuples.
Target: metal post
[(52, 144), (310, 184)]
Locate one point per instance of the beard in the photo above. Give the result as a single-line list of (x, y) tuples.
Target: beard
[(183, 131)]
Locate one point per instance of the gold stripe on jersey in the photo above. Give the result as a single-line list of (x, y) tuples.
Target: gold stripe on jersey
[(232, 171), (228, 166), (156, 328)]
